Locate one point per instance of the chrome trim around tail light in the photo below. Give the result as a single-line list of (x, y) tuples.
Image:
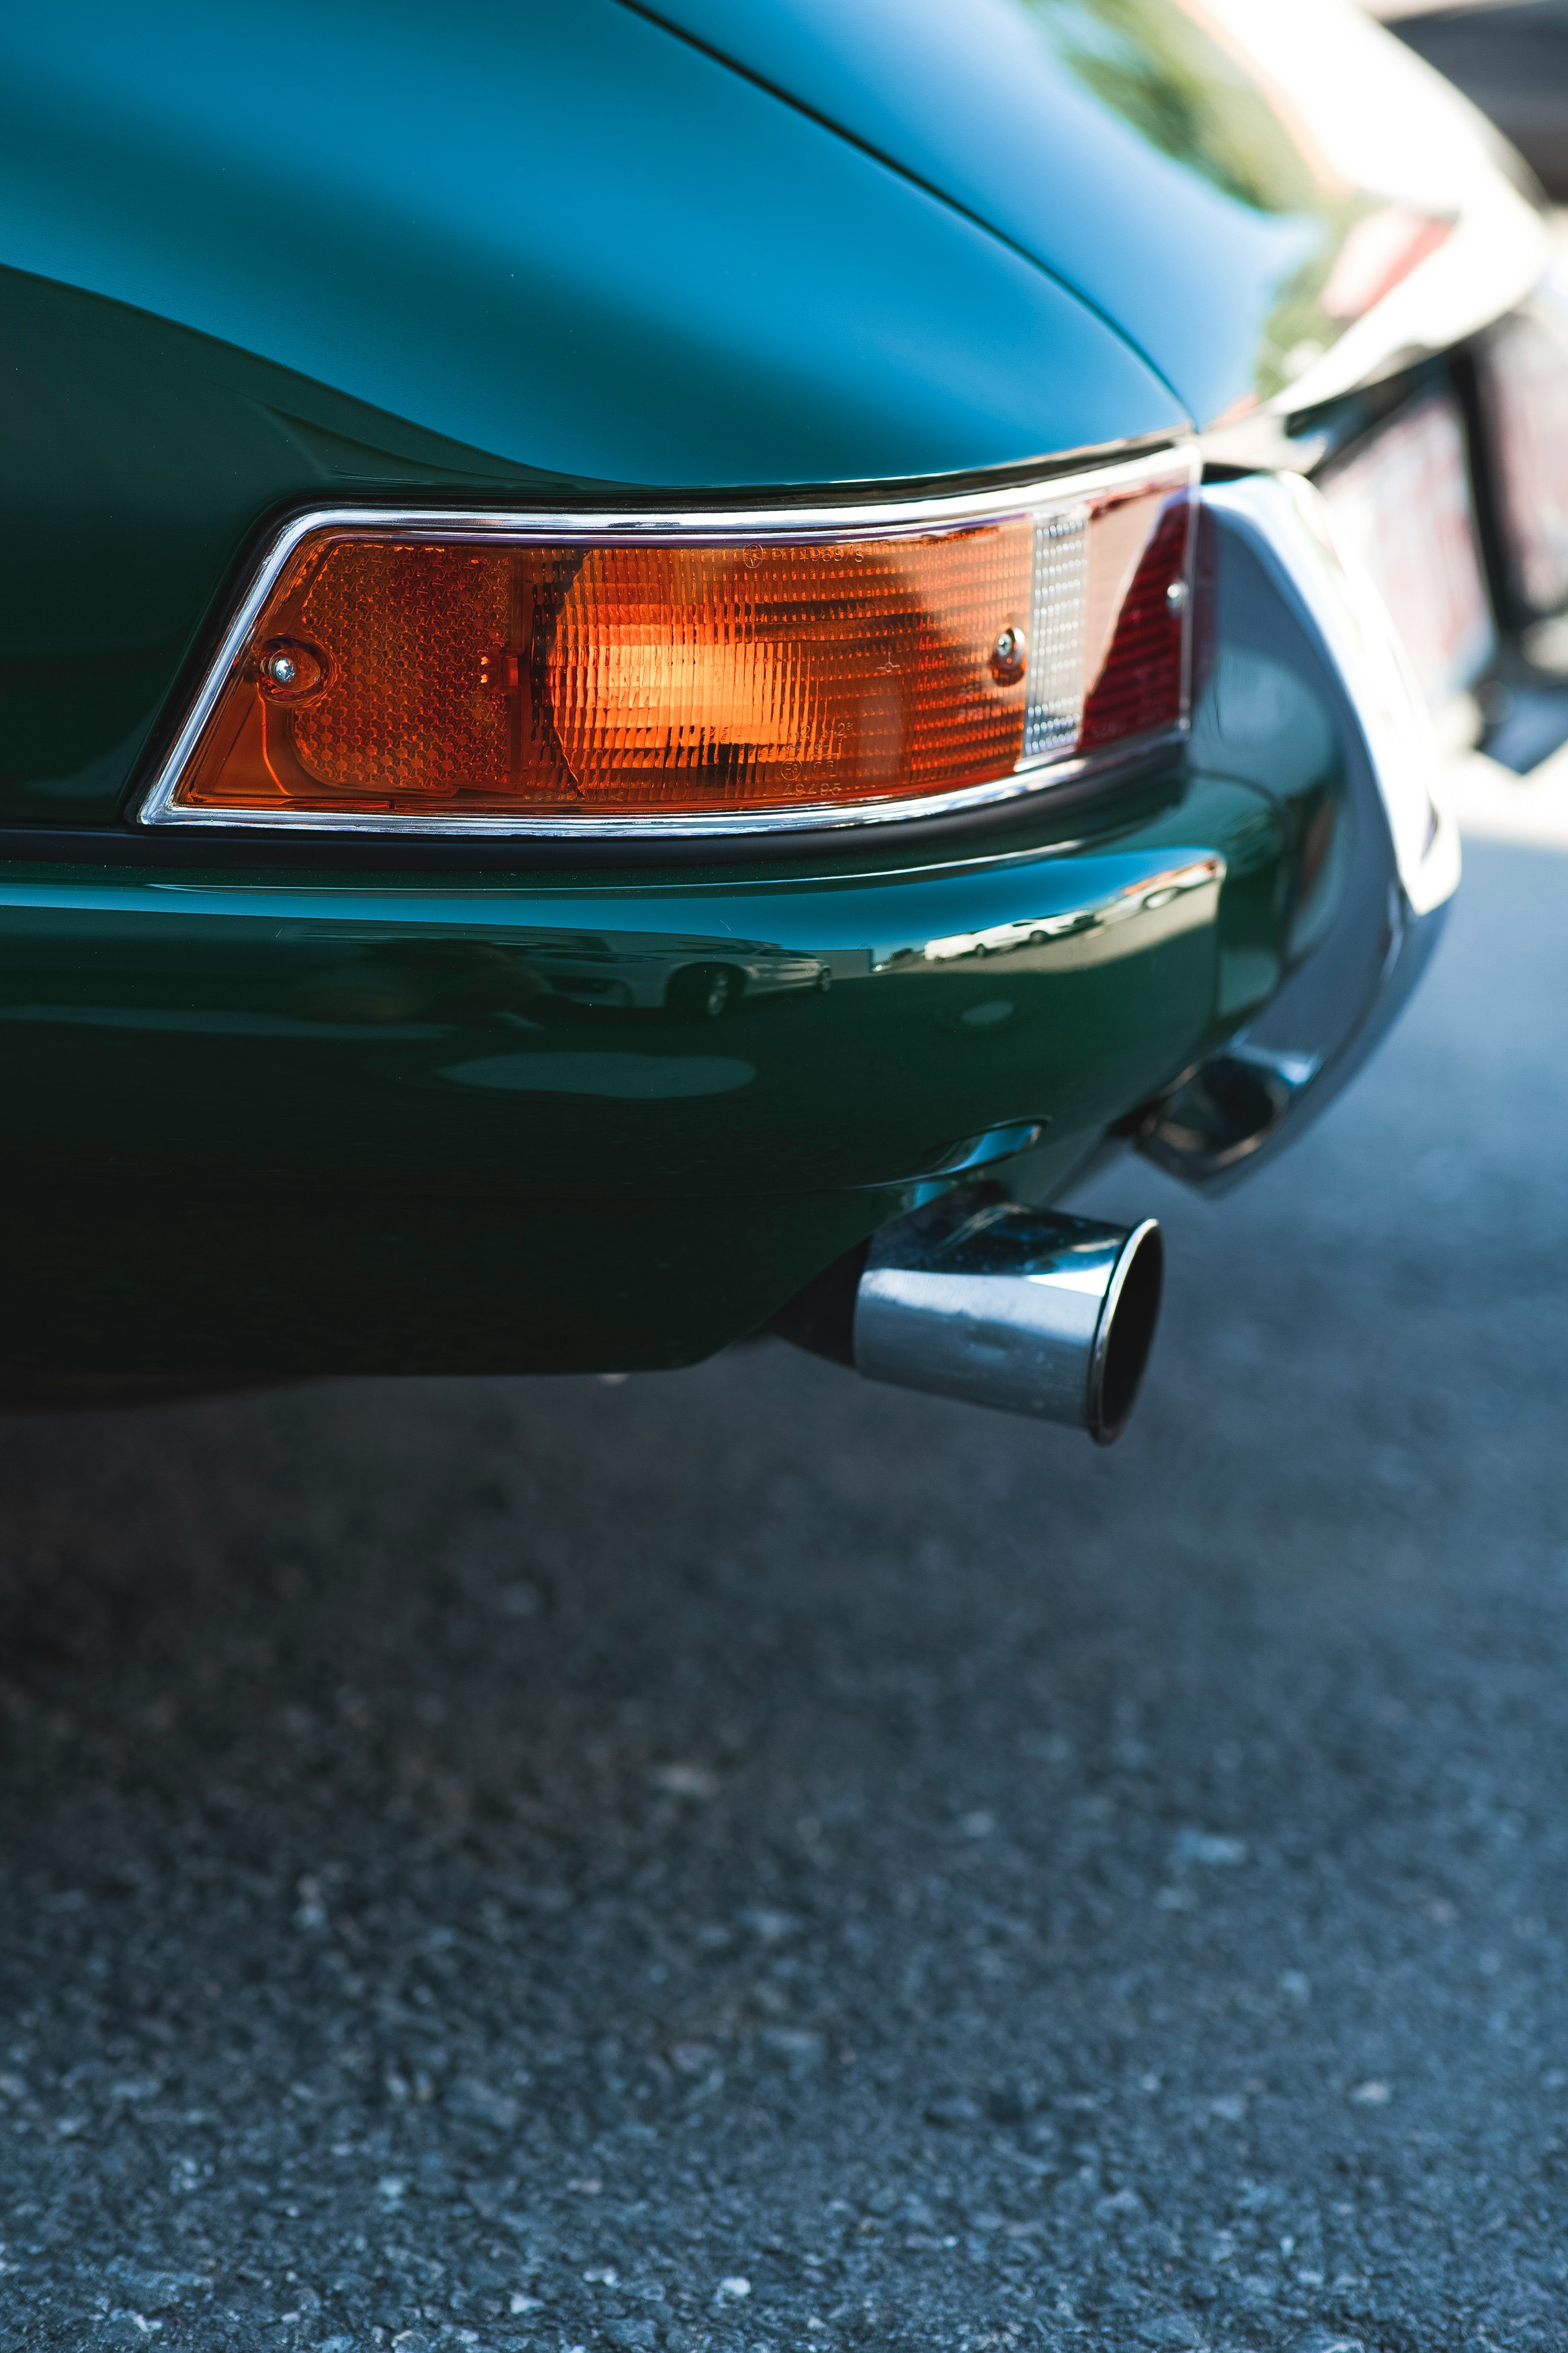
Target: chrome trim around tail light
[(1056, 504)]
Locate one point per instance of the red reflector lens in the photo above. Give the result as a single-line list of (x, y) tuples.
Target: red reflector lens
[(447, 674), (1138, 687)]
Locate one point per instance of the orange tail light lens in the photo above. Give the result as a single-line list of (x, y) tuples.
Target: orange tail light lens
[(452, 673)]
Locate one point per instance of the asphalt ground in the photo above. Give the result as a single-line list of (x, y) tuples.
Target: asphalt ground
[(746, 1859)]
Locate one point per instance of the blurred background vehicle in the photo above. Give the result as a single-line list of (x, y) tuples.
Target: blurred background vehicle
[(1511, 57)]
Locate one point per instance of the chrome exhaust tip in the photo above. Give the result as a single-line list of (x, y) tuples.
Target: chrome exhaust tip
[(1017, 1308), (1023, 1309)]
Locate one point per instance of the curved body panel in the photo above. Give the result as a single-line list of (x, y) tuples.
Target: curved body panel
[(1198, 173), (556, 236)]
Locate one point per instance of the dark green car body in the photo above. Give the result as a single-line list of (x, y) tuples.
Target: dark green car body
[(332, 1103)]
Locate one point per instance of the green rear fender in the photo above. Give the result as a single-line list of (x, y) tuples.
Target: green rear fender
[(466, 1124)]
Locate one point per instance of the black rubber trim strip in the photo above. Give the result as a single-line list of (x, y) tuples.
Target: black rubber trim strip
[(1038, 820)]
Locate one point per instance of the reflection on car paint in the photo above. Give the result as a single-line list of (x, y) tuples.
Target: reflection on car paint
[(1146, 897), (983, 1151), (653, 970), (345, 1044), (559, 985)]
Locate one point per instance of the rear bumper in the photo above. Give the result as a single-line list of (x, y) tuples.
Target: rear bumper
[(316, 1122)]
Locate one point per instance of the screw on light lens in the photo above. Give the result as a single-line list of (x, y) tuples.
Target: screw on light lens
[(1008, 656), (289, 670)]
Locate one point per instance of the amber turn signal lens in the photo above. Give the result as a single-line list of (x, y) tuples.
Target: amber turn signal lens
[(395, 674)]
